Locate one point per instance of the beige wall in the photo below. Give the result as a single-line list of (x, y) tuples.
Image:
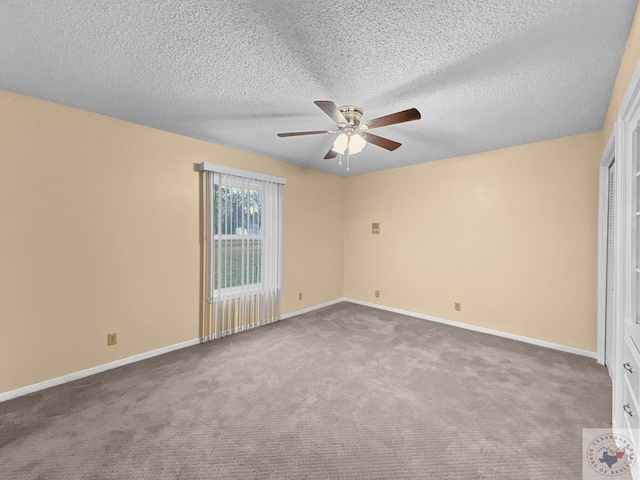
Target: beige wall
[(511, 234), (625, 72), (100, 233)]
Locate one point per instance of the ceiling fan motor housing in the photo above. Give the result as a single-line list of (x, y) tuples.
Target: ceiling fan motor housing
[(352, 114)]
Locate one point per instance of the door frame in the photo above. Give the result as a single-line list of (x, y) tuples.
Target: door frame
[(608, 157)]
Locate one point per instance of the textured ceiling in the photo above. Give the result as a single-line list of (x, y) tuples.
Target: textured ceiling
[(485, 74)]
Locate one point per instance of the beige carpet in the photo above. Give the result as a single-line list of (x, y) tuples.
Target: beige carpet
[(346, 392)]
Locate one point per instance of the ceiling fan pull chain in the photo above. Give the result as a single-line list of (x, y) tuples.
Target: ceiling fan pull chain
[(340, 160), (348, 159)]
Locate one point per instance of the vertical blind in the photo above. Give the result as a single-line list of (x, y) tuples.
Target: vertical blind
[(243, 250)]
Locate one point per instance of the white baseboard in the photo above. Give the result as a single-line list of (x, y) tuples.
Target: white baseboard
[(311, 309), (498, 333), (19, 392), (36, 387)]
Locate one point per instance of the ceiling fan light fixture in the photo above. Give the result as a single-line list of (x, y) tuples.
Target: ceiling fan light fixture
[(351, 141), (341, 143), (356, 143)]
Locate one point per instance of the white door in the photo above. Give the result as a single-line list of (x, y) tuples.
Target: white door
[(608, 319)]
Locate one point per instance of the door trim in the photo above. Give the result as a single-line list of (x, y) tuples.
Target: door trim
[(606, 160)]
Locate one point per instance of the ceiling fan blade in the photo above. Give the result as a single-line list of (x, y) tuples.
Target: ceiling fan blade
[(330, 154), (296, 134), (328, 107), (392, 119), (381, 141)]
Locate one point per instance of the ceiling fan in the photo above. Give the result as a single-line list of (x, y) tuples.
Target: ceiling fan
[(354, 134)]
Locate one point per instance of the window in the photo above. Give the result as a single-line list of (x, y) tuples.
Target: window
[(242, 249), (237, 220)]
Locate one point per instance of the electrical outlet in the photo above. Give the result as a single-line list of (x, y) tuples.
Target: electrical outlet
[(375, 228), (300, 296), (112, 339), (377, 293), (457, 306)]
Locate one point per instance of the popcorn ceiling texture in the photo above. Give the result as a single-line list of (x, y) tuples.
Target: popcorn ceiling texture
[(484, 74)]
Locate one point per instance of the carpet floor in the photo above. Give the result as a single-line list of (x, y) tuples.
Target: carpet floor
[(345, 392)]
